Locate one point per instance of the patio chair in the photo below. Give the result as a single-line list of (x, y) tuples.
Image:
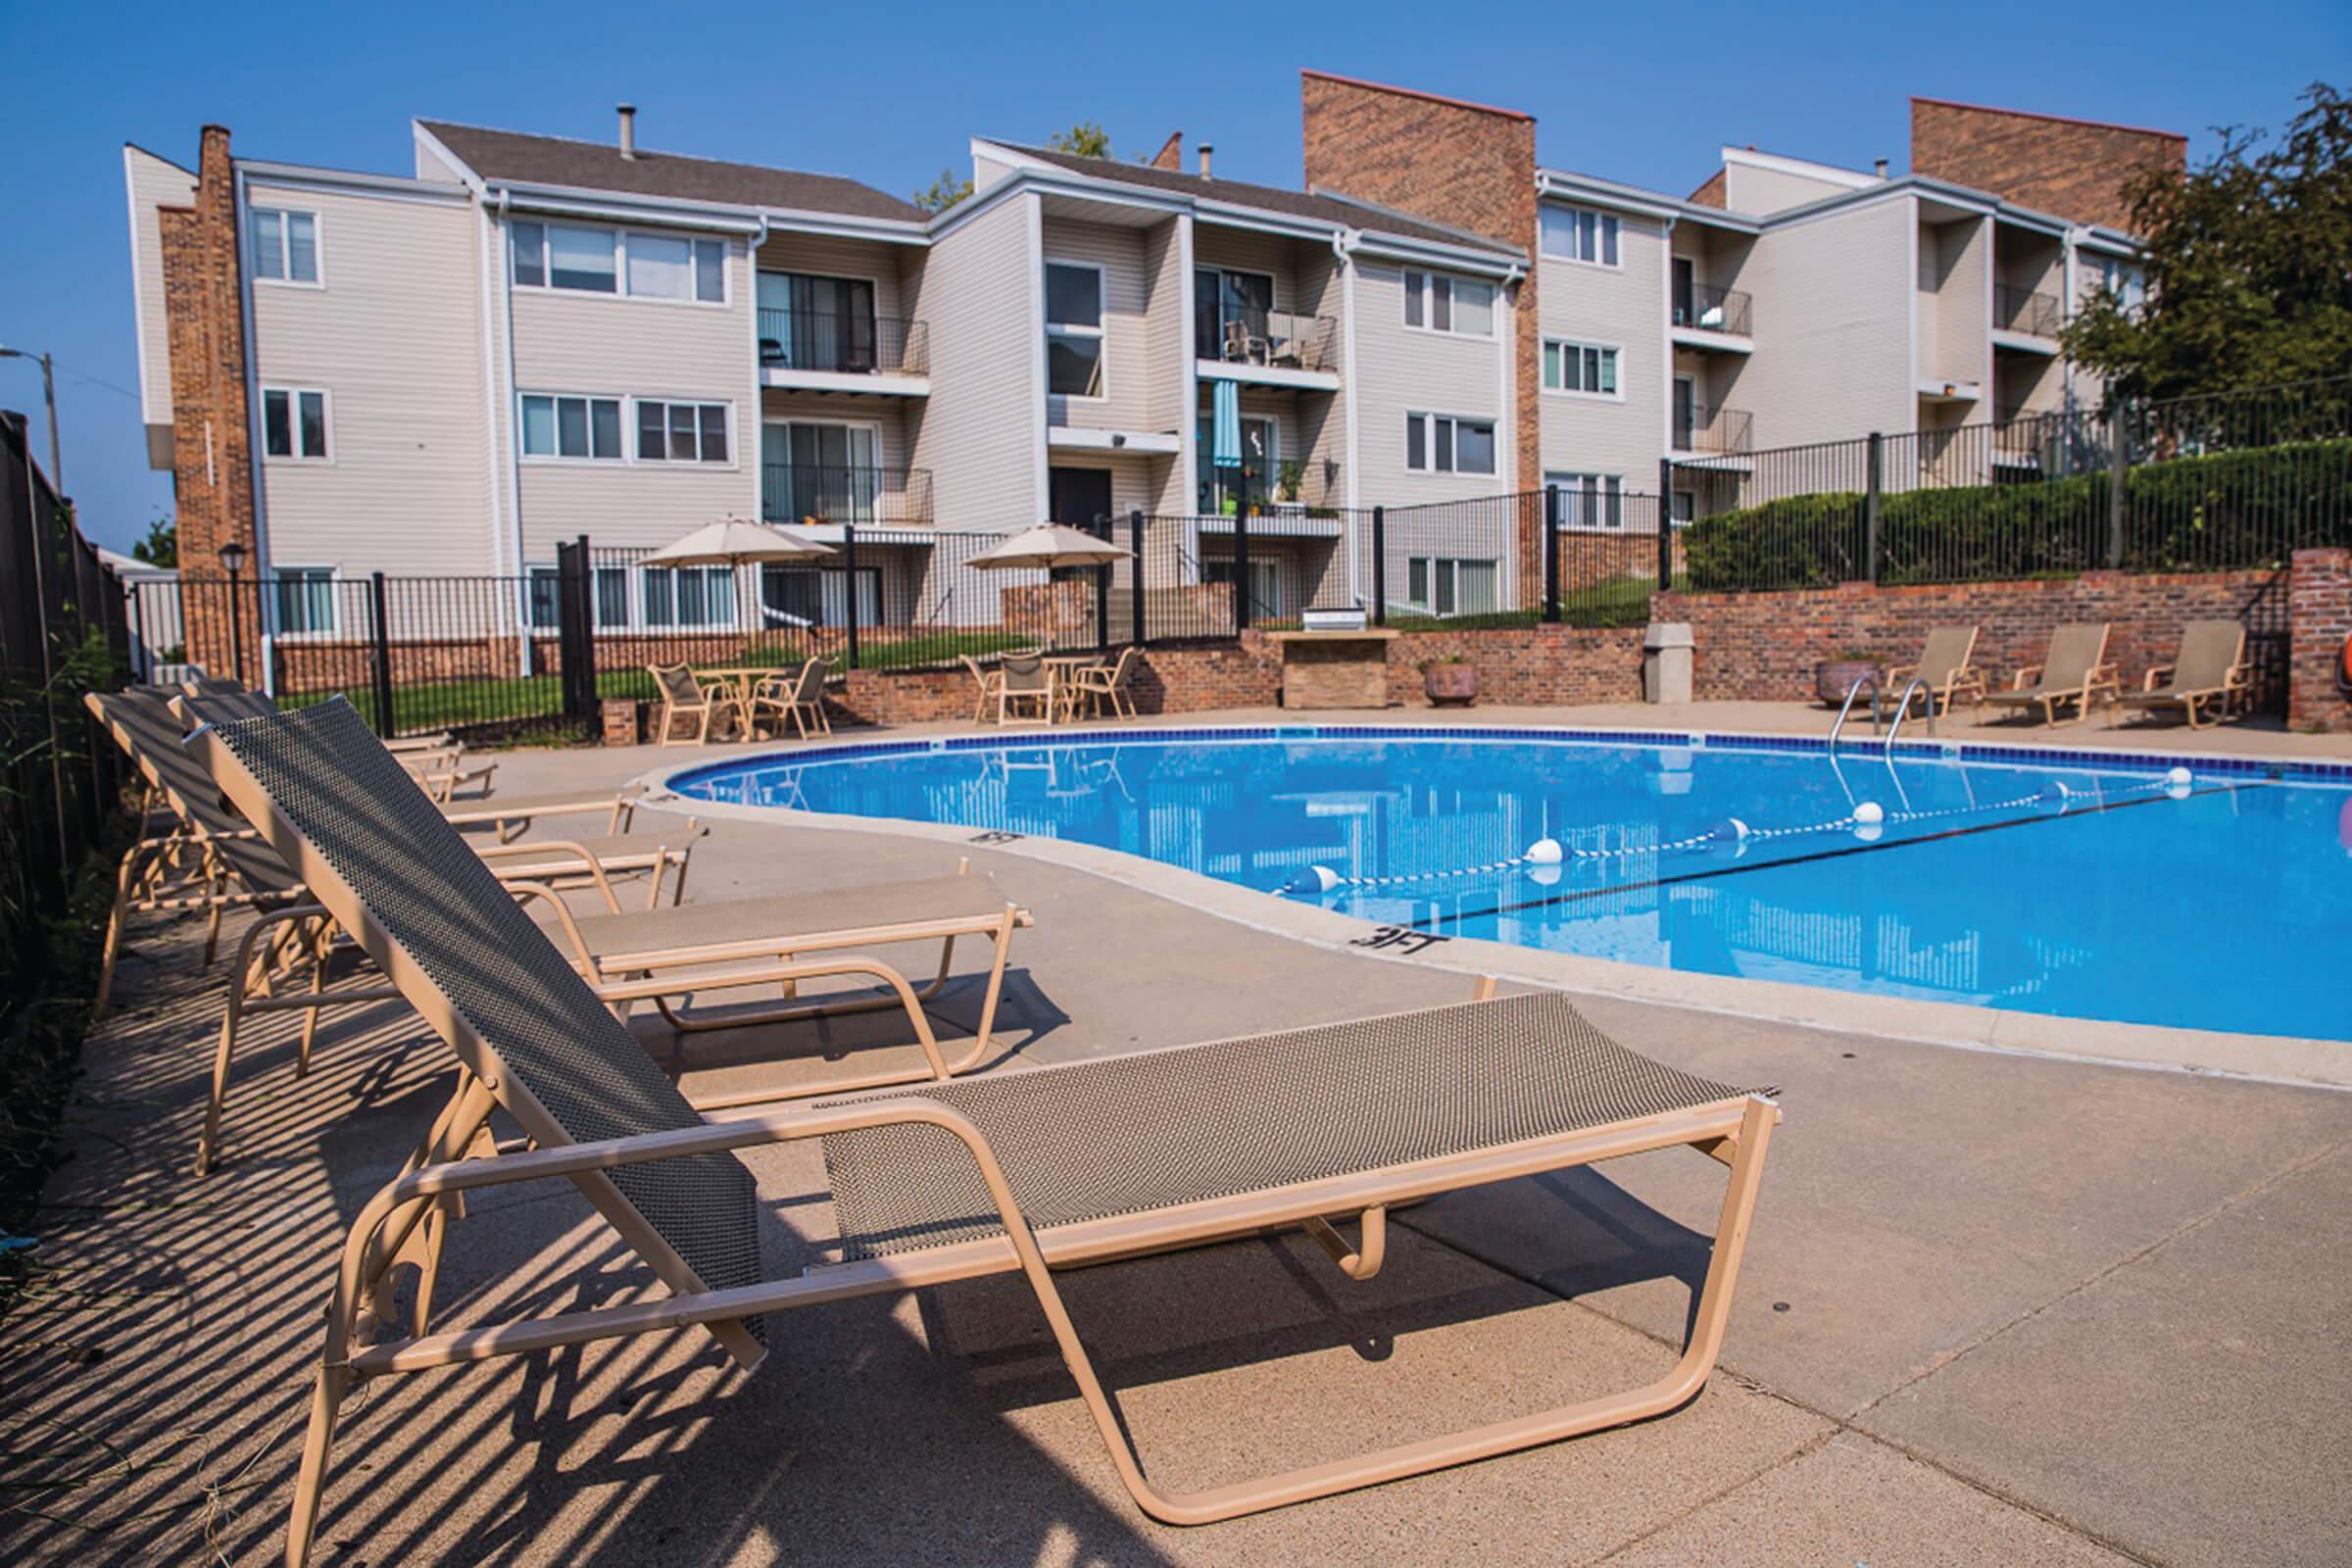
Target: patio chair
[(685, 697), (1107, 686), (1943, 670), (2211, 676), (1027, 683), (799, 697), (1243, 345), (2074, 671), (987, 687), (1016, 1173)]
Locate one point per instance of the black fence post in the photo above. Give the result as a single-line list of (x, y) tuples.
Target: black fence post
[(848, 561), (2119, 477), (1102, 587), (1380, 565), (1871, 484), (1135, 573), (382, 620), (1665, 525), (1241, 563), (1552, 552), (587, 638)]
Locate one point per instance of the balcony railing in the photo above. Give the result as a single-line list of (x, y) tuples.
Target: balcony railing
[(845, 345), (1700, 428), (1243, 334), (793, 492), (1704, 308), (2022, 310)]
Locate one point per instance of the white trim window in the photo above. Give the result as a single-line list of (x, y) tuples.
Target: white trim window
[(559, 426), (1442, 443), (296, 424), (1074, 349), (1684, 508), (1452, 585), (302, 601), (583, 258), (285, 247), (545, 599), (1464, 307), (1581, 369), (1590, 502), (674, 431), (1579, 234), (687, 597)]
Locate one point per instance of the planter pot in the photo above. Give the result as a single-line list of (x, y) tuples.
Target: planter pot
[(1449, 684), (1833, 678)]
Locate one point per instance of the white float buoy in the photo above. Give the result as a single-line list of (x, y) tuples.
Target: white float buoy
[(1869, 832), (1543, 851), (1870, 813), (1314, 879), (2178, 782)]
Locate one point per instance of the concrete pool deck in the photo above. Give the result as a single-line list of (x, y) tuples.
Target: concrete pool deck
[(1995, 1309)]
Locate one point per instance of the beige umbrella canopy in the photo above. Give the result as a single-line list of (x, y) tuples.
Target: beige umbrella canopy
[(732, 542), (1049, 545)]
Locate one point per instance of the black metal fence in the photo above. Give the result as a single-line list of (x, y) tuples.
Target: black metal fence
[(2212, 483), (62, 634)]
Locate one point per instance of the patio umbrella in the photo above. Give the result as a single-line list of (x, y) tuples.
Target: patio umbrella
[(734, 543), (1046, 546), (1225, 433)]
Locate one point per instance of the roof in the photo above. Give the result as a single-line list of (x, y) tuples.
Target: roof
[(510, 155), (1320, 206)]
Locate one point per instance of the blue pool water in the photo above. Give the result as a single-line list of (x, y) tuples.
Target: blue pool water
[(2081, 887)]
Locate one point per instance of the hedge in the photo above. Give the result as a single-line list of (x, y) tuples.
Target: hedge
[(2228, 510)]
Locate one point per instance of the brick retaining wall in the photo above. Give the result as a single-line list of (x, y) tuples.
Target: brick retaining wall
[(2322, 619)]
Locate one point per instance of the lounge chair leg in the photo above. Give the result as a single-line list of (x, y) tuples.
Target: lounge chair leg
[(335, 1381), (123, 876), (1363, 1260), (309, 1016), (239, 975), (1687, 1376), (212, 937)]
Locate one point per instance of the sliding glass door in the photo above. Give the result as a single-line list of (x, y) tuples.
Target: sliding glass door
[(812, 473)]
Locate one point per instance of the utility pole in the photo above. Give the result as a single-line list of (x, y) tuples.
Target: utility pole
[(57, 471)]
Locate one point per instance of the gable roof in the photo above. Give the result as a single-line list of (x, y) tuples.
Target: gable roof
[(505, 155), (1320, 206)]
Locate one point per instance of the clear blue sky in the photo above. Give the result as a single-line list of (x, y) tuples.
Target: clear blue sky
[(888, 93)]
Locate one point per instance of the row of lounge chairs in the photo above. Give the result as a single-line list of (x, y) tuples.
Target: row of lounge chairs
[(1007, 1171), (2208, 681)]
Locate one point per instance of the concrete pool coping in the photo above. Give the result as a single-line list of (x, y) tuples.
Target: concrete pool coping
[(2272, 1059)]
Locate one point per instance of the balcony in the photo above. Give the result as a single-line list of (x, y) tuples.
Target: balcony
[(1275, 346), (836, 352), (817, 495), (2025, 313), (1703, 314), (1717, 432)]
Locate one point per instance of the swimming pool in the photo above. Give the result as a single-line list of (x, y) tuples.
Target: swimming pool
[(2201, 893)]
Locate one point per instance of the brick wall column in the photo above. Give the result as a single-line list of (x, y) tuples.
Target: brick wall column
[(211, 454), (2319, 619)]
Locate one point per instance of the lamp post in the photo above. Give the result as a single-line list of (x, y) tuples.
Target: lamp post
[(57, 473), (232, 557)]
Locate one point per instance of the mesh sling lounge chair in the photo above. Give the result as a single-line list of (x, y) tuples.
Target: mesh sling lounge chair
[(1944, 671), (685, 697), (799, 697), (1107, 686), (2075, 671), (987, 687), (511, 814), (1010, 1173), (2209, 677)]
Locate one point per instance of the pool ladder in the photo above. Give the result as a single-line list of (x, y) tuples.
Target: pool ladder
[(1902, 709)]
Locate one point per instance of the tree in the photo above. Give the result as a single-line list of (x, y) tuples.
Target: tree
[(945, 192), (1085, 140), (2248, 266), (160, 547)]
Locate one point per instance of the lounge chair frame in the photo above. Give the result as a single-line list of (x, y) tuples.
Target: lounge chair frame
[(1961, 678), (2157, 689), (2027, 689), (989, 687), (1102, 686), (684, 696), (408, 1216)]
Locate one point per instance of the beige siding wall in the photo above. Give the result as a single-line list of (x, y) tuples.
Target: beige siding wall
[(151, 182), (1761, 191), (1131, 371), (829, 257), (632, 348), (393, 337), (1955, 293), (979, 432), (1834, 303), (1400, 368), (1166, 334), (1622, 306)]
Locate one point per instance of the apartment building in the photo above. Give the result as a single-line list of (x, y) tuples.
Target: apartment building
[(528, 339)]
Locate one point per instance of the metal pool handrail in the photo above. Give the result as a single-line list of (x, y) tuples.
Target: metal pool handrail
[(1845, 709)]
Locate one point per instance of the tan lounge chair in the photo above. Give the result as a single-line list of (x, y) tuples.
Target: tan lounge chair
[(799, 698), (1102, 687), (1944, 671), (683, 697), (1016, 1173), (2075, 671), (988, 688), (2211, 677), (1026, 682)]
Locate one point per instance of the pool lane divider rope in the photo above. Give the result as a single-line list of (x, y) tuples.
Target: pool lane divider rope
[(1868, 821), (1710, 873)]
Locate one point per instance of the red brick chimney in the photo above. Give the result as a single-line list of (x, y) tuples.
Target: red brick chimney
[(2075, 169), (1171, 152)]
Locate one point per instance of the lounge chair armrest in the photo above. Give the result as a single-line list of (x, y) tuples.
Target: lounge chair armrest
[(1897, 674), (492, 852), (2156, 676), (2026, 676)]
